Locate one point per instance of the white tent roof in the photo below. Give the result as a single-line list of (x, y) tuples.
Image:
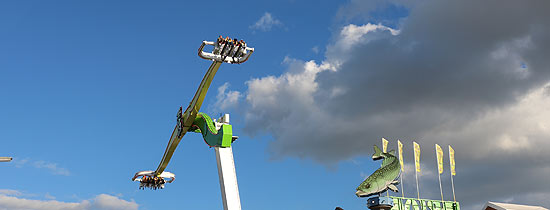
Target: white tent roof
[(509, 206)]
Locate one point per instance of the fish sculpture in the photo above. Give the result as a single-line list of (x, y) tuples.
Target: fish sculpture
[(384, 178)]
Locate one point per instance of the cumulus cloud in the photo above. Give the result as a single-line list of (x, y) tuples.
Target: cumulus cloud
[(226, 98), (10, 201), (281, 102), (105, 201), (474, 75), (266, 23)]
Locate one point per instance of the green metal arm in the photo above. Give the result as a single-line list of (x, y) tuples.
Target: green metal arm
[(188, 116), (214, 138)]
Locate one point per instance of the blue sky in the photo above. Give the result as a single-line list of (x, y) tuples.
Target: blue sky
[(89, 91)]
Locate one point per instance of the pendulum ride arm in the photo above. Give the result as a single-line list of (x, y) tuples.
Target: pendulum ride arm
[(186, 119), (217, 134)]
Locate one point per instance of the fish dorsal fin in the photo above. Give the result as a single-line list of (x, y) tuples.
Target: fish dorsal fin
[(377, 153), (392, 152)]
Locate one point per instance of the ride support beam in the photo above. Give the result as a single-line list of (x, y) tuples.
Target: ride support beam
[(228, 178)]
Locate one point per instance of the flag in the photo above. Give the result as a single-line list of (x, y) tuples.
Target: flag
[(400, 149), (384, 145), (416, 156), (439, 154), (452, 160)]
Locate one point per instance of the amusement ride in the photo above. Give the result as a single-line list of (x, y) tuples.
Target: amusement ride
[(217, 133)]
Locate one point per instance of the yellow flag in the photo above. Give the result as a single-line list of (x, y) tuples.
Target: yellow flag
[(439, 154), (452, 160), (384, 145), (416, 156), (400, 148)]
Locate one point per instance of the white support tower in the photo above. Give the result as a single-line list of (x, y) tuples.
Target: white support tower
[(228, 178), (227, 173)]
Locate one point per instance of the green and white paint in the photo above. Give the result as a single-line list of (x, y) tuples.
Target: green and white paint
[(215, 134), (422, 204)]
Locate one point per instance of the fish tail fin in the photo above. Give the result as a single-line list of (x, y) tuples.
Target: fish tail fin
[(377, 153)]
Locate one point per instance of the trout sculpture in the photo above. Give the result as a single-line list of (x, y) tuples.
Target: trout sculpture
[(383, 178)]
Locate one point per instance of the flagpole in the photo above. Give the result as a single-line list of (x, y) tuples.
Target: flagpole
[(403, 192), (440, 189), (453, 184), (417, 190), (400, 150), (452, 169)]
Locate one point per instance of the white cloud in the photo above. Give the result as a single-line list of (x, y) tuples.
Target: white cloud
[(10, 192), (277, 102), (20, 162), (354, 34), (513, 130), (266, 23), (105, 201), (100, 202), (315, 49), (52, 167), (41, 164), (48, 196), (226, 98), (273, 98)]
